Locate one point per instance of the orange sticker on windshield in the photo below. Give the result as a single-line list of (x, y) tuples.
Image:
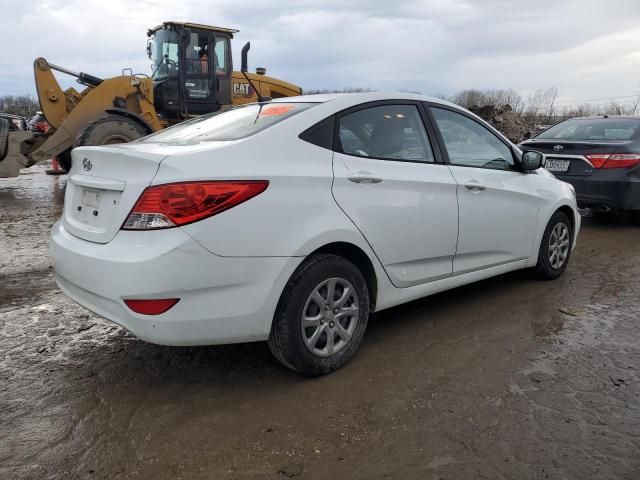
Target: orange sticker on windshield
[(275, 110)]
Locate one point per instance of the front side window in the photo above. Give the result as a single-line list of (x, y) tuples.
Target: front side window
[(470, 144), (164, 54), (390, 132), (232, 124)]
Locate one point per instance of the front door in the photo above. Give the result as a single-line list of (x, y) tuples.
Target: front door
[(498, 204), (199, 91), (387, 179)]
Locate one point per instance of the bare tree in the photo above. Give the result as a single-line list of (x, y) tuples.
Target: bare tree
[(551, 96), (23, 105)]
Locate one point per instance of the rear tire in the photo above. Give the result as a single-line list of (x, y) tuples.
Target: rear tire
[(110, 129), (321, 316), (555, 247)]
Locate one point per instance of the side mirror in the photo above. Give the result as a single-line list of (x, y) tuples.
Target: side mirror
[(149, 49), (531, 160)]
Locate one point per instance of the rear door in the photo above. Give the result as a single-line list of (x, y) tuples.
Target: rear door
[(389, 181), (498, 205)]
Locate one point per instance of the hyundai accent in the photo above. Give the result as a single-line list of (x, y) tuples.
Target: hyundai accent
[(293, 220)]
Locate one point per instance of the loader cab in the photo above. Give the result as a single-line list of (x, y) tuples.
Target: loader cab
[(191, 67)]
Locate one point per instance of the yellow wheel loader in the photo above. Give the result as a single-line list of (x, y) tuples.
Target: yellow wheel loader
[(192, 75)]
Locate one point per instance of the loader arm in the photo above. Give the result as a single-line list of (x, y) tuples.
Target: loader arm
[(69, 112), (129, 93)]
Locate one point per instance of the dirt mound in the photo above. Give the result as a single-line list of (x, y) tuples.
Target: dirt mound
[(504, 119)]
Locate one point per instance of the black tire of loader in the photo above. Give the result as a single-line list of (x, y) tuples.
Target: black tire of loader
[(110, 129), (4, 137)]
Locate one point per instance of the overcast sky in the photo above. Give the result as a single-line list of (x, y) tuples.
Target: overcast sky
[(586, 48)]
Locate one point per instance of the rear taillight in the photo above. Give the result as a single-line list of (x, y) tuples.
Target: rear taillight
[(614, 160), (151, 307), (175, 204)]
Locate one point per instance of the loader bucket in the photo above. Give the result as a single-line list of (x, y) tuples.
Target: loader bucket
[(18, 143)]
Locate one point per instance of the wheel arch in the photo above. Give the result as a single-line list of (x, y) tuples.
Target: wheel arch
[(569, 212), (360, 259)]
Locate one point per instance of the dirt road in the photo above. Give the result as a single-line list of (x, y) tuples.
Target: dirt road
[(507, 378)]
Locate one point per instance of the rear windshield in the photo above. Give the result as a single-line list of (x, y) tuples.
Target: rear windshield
[(593, 129), (238, 122)]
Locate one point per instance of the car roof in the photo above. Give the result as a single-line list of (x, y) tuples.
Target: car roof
[(607, 117), (334, 102), (346, 99)]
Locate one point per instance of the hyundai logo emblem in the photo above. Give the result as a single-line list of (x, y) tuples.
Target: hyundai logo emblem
[(86, 164), (558, 148)]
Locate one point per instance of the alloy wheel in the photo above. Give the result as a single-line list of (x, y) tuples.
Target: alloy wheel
[(558, 246), (330, 317)]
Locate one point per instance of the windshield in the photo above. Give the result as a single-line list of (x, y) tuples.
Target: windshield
[(593, 129), (233, 124), (164, 54)]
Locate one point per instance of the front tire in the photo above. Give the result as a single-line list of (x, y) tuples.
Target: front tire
[(555, 247), (321, 316)]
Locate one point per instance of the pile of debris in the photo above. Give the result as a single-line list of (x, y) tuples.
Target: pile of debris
[(504, 119)]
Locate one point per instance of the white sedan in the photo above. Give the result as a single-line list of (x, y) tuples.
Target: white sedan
[(294, 220)]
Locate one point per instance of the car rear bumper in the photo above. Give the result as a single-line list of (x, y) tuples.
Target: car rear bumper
[(222, 299), (613, 188)]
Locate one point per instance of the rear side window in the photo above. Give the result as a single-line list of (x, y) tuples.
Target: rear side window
[(233, 124), (593, 129), (390, 132)]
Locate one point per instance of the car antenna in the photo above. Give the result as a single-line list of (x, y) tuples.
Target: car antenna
[(244, 68)]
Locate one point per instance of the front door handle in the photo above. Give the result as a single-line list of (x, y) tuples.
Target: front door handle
[(361, 178), (475, 185)]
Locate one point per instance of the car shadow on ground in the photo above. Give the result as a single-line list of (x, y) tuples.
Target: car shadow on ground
[(123, 359), (122, 356)]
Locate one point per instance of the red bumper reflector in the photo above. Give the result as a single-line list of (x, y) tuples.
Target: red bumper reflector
[(151, 307)]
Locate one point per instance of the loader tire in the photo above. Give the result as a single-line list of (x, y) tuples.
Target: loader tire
[(110, 129), (64, 159), (4, 137)]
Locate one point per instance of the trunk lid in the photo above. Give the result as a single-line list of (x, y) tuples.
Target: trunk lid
[(567, 157), (102, 187)]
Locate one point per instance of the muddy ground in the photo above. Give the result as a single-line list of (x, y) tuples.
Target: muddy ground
[(508, 378)]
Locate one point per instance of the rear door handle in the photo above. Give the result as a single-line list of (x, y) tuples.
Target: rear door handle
[(362, 178), (475, 185)]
